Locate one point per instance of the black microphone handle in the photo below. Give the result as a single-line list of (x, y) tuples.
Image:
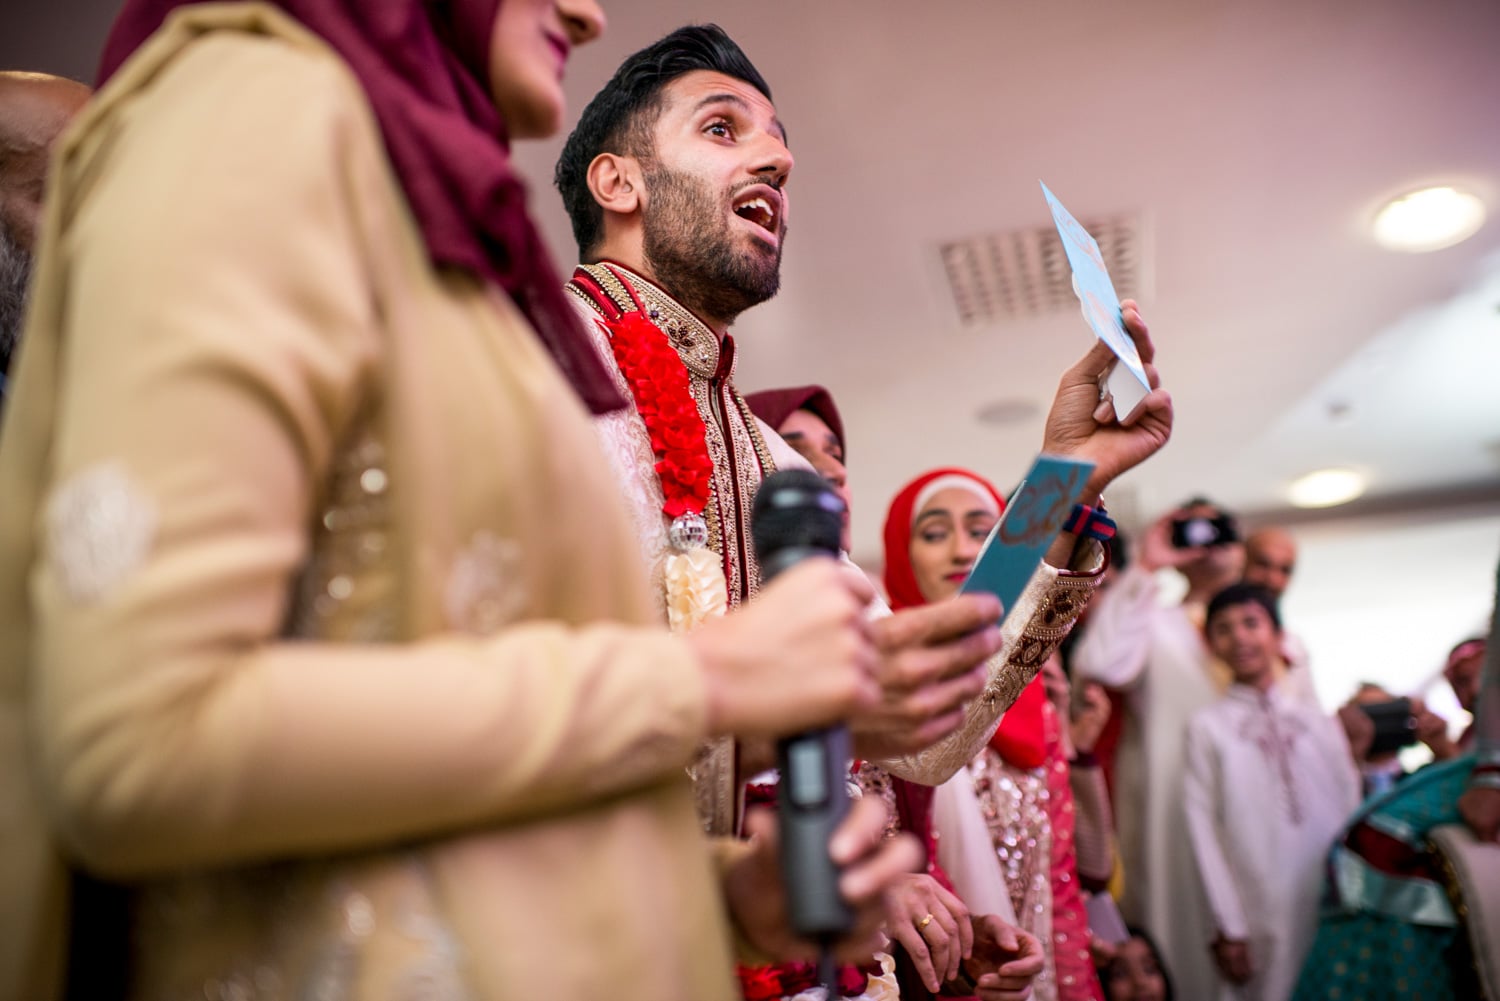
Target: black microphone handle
[(811, 801), (797, 516)]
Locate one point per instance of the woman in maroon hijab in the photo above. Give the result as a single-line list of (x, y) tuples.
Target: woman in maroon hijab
[(337, 653)]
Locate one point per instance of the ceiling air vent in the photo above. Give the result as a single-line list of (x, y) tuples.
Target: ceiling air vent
[(1001, 276)]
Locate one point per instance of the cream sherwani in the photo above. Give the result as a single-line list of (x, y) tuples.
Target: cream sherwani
[(744, 450), (318, 611), (1270, 782)]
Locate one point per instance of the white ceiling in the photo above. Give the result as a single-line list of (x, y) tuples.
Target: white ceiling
[(1252, 139)]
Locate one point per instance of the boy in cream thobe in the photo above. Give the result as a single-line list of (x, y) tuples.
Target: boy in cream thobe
[(1269, 784)]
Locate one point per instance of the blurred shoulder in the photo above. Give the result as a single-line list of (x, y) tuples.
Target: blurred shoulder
[(228, 84)]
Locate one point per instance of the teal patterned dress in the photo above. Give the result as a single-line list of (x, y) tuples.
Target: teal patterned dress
[(1388, 930)]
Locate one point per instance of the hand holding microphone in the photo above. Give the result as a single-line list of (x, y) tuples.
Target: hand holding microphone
[(799, 517), (799, 658)]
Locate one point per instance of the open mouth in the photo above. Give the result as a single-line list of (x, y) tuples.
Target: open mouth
[(761, 206), (560, 48)]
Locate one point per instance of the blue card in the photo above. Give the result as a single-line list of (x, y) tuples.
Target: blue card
[(1032, 518), (1127, 381)]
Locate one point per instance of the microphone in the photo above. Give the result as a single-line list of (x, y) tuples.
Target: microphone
[(798, 515)]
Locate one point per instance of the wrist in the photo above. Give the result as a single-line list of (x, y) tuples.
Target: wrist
[(717, 702), (1442, 748)]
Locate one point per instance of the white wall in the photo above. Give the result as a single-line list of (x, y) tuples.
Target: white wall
[(1385, 600)]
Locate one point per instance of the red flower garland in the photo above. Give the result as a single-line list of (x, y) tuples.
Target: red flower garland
[(771, 983), (659, 382)]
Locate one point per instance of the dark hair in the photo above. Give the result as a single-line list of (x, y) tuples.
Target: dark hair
[(1242, 594), (1166, 976), (1119, 551), (1198, 500), (621, 116), (1463, 643)]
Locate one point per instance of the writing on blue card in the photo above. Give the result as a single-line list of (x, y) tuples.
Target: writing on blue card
[(1033, 516)]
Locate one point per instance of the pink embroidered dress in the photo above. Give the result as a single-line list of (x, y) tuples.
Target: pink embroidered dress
[(1073, 968)]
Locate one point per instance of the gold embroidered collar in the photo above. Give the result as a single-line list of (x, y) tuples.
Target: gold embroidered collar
[(695, 341)]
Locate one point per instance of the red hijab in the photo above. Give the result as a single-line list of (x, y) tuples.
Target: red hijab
[(424, 67), (1021, 739)]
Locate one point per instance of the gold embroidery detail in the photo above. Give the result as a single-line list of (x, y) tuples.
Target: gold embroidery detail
[(742, 459), (1014, 804), (876, 781), (712, 772), (345, 587), (1058, 611)]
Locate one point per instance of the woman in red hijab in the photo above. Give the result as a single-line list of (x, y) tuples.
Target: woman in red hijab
[(338, 658), (934, 530)]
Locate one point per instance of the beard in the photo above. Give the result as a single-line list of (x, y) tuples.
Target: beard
[(15, 276), (690, 248)]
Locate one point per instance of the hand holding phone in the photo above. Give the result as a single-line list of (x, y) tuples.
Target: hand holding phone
[(1200, 532), (1395, 725)]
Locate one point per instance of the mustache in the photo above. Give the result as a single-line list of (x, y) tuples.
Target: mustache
[(770, 180)]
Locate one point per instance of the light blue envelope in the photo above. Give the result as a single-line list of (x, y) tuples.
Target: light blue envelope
[(1127, 383), (1033, 516)]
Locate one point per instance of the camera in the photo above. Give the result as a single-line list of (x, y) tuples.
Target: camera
[(1191, 533), (1395, 725)]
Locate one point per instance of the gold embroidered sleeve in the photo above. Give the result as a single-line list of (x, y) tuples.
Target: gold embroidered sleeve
[(715, 788), (1044, 614), (876, 782)]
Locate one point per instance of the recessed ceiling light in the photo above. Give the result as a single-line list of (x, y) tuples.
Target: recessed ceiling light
[(1430, 219), (1326, 488)]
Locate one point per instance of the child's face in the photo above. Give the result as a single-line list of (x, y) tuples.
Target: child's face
[(1134, 974), (1244, 637)]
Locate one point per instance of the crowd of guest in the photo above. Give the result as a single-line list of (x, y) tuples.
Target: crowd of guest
[(302, 699), (1230, 782), (1236, 791)]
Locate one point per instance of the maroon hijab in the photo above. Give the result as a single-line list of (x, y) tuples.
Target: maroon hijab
[(424, 66), (775, 405)]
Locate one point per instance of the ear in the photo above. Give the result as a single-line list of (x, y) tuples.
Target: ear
[(615, 182)]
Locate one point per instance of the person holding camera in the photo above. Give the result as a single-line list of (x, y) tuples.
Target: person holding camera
[(1270, 561), (1409, 907), (1156, 655), (1379, 725)]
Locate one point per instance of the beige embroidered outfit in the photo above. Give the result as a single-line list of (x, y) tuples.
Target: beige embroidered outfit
[(335, 644)]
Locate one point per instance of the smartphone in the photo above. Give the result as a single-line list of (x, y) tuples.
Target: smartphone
[(1395, 725), (1190, 533), (1105, 920)]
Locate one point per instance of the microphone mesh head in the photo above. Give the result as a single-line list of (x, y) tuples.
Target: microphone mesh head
[(796, 508)]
